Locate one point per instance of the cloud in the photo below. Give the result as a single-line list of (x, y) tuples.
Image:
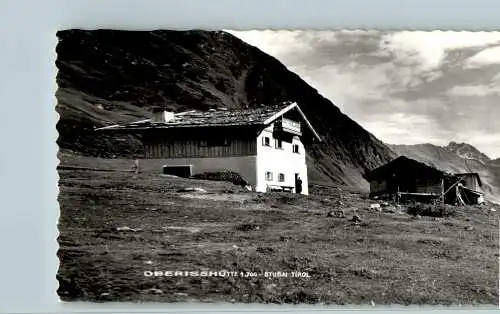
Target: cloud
[(404, 87), (474, 90), (284, 44), (427, 50), (484, 58), (419, 129)]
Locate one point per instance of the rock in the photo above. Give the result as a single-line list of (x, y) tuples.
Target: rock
[(468, 228), (389, 209), (374, 206), (285, 238), (418, 217), (385, 204), (493, 210), (336, 214), (155, 291), (181, 294), (192, 189), (356, 218), (148, 262)]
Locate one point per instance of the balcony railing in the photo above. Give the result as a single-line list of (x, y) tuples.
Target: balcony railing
[(287, 125)]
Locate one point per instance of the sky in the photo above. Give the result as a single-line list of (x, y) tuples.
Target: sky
[(405, 87)]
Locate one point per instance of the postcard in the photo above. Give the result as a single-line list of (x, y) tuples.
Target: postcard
[(338, 167)]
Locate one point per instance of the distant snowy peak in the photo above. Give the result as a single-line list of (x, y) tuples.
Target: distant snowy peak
[(467, 151)]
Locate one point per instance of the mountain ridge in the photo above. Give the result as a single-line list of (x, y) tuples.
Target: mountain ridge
[(468, 151), (108, 77)]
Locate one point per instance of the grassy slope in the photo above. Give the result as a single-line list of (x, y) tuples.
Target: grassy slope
[(388, 258)]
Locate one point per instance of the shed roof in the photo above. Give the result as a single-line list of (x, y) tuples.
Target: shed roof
[(404, 165), (215, 118)]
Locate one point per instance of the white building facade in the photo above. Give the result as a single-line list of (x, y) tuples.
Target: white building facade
[(279, 163)]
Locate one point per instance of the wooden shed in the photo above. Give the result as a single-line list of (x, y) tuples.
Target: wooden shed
[(407, 179)]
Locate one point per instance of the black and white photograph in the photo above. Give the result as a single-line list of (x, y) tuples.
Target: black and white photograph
[(342, 167)]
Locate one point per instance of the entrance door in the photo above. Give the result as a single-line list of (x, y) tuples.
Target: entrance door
[(298, 184)]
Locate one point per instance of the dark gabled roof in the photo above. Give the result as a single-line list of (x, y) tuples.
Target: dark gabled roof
[(405, 164), (206, 118), (215, 118)]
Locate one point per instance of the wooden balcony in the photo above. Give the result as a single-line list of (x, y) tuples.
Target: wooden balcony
[(290, 126)]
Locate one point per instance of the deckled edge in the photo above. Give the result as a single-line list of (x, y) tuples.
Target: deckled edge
[(57, 160), (444, 30)]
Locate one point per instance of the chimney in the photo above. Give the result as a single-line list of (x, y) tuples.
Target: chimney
[(161, 115)]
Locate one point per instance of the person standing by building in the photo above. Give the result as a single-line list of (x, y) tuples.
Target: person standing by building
[(298, 185)]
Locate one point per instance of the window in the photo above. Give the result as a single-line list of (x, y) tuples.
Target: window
[(269, 176), (266, 141), (281, 177), (296, 148), (279, 144)]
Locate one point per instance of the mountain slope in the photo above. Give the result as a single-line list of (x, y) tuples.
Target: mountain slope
[(451, 158), (108, 77), (468, 151)]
